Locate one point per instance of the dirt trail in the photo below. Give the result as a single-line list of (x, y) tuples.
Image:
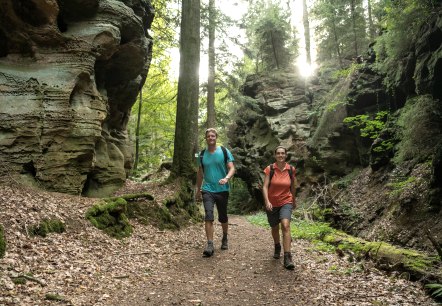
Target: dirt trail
[(84, 266), (246, 274)]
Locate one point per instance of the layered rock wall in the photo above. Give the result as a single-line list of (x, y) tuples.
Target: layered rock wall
[(70, 72)]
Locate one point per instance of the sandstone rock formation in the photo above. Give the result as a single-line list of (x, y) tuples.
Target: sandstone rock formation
[(373, 195), (70, 72)]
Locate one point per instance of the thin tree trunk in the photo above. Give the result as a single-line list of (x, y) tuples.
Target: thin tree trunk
[(372, 31), (211, 115), (274, 50), (353, 17), (338, 49), (186, 129), (137, 131), (306, 31)]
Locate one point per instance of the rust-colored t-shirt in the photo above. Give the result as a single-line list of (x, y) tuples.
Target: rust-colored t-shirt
[(279, 190)]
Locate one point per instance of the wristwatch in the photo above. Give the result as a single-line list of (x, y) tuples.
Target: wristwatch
[(228, 178)]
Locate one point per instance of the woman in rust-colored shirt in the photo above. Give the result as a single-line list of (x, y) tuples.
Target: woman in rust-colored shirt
[(279, 198)]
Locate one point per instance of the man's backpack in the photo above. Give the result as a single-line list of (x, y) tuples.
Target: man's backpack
[(272, 172), (202, 155)]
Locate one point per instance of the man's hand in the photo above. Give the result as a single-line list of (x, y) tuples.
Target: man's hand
[(223, 181)]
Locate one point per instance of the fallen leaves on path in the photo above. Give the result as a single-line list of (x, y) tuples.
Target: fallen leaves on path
[(83, 266)]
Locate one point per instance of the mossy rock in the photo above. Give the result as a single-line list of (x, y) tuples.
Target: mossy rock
[(111, 218), (148, 212), (47, 226), (2, 242)]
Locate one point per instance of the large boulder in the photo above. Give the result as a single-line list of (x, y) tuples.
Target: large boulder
[(70, 72)]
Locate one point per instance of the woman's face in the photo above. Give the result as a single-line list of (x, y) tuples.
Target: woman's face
[(280, 155)]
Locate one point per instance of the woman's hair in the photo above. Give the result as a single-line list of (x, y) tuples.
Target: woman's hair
[(211, 130), (280, 147)]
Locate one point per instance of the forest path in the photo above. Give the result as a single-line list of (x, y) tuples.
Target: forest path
[(246, 274), (83, 266)]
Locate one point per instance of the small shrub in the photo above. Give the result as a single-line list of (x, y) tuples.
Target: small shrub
[(369, 128)]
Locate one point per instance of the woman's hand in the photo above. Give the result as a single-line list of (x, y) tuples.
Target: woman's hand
[(269, 206)]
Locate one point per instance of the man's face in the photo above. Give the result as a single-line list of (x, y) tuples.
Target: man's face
[(211, 138)]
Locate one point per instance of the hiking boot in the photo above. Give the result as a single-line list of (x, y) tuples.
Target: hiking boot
[(209, 250), (224, 245), (277, 252), (288, 263)]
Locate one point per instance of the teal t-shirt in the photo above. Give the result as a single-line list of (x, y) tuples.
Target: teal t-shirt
[(215, 169)]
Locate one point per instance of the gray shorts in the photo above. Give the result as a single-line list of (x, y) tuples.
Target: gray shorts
[(220, 199), (278, 213)]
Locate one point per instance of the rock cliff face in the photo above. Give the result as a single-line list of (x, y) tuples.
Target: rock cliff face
[(391, 194), (70, 72)]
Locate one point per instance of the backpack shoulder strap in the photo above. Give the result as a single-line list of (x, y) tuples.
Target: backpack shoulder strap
[(201, 158), (225, 154), (272, 172)]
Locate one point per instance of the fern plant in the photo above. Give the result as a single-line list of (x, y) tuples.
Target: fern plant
[(436, 289), (369, 128)]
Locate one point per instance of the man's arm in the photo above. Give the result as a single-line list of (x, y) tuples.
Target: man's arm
[(199, 182), (229, 175)]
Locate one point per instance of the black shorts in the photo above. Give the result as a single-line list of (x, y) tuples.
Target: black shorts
[(220, 199)]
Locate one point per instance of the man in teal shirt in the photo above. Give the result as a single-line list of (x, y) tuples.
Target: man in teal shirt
[(216, 173)]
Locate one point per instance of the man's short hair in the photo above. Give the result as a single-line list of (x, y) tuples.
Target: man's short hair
[(211, 130), (280, 147)]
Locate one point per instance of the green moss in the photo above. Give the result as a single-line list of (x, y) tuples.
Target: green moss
[(20, 280), (47, 226), (111, 218), (153, 214), (2, 242), (327, 239)]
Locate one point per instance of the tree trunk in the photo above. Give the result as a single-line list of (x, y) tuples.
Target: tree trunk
[(137, 131), (353, 17), (211, 115), (274, 50), (306, 31), (186, 128), (335, 35), (371, 29)]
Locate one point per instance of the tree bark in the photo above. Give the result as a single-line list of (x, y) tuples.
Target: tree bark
[(353, 17), (137, 131), (186, 128), (306, 31), (372, 31), (211, 114)]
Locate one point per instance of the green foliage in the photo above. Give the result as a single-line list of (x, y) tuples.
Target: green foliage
[(419, 124), (111, 218), (369, 128), (401, 21), (2, 242), (47, 226), (399, 186), (239, 197), (344, 73), (436, 289), (341, 32), (272, 42)]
